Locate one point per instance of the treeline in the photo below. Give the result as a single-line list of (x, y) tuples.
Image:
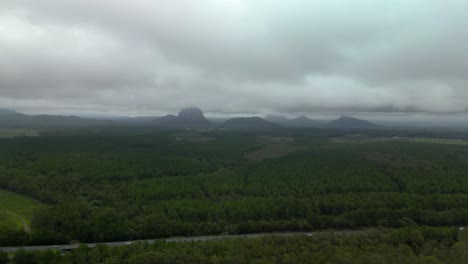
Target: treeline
[(407, 245), (84, 221)]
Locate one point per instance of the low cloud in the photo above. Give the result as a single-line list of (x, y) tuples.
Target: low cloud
[(261, 56)]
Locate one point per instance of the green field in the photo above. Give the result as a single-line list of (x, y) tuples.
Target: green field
[(18, 132), (16, 211)]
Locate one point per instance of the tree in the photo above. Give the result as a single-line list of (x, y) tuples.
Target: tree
[(3, 258), (24, 257)]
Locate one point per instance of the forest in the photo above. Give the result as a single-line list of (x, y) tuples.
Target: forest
[(114, 184)]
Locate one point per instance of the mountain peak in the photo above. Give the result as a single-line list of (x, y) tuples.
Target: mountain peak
[(188, 117), (191, 113), (351, 122), (8, 112), (347, 118), (302, 118), (276, 118)]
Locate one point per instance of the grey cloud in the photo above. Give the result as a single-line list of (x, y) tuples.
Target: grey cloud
[(235, 56)]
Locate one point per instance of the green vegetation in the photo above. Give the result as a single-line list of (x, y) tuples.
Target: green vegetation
[(18, 132), (16, 212), (133, 183), (17, 209)]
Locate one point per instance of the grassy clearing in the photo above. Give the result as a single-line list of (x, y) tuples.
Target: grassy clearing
[(18, 132), (16, 211), (446, 141)]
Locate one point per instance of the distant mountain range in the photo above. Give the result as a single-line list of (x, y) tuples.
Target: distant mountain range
[(188, 118), (8, 112), (303, 121), (13, 119), (193, 118)]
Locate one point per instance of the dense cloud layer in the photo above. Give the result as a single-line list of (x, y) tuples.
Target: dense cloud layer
[(143, 57)]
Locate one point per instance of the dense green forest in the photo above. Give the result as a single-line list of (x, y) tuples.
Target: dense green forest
[(409, 245), (102, 184)]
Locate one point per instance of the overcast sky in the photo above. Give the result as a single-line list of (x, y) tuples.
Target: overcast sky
[(234, 56)]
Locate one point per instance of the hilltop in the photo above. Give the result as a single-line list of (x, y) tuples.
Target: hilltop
[(301, 121), (189, 117), (351, 122)]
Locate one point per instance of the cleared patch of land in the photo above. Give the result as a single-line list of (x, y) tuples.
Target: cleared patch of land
[(400, 162), (446, 141), (275, 140), (18, 132), (16, 211), (361, 139), (277, 147), (271, 151), (192, 137)]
